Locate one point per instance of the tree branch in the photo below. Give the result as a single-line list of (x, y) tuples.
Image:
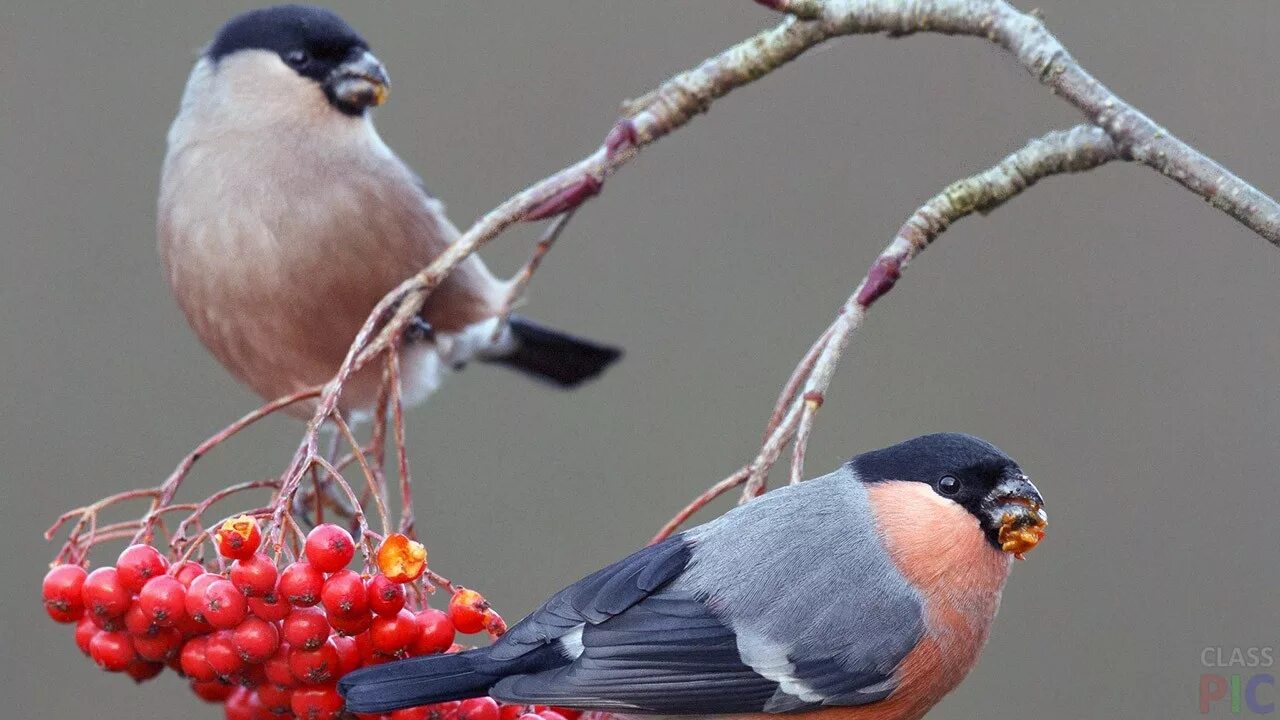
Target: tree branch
[(1025, 37), (1116, 130), (674, 103)]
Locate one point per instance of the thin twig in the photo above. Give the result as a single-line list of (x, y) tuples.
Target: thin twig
[(361, 522), (795, 382), (700, 502), (520, 282), (375, 488), (407, 518)]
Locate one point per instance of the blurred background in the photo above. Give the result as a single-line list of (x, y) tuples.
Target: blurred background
[(1111, 331)]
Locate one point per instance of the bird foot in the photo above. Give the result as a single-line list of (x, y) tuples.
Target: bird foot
[(419, 330)]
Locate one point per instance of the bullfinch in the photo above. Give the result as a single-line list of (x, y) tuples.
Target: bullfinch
[(283, 218), (867, 593)]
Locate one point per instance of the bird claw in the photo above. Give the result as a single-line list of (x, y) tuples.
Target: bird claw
[(419, 330)]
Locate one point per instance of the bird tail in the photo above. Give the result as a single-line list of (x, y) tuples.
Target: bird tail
[(417, 681), (553, 356)]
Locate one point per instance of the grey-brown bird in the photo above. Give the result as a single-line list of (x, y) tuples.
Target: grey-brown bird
[(283, 218)]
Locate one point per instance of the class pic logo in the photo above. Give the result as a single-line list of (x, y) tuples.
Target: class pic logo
[(1243, 681)]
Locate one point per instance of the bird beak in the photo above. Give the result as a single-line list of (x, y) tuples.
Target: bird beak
[(360, 83), (1015, 513)]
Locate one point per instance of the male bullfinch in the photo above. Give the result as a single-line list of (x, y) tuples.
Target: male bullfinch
[(284, 218), (866, 593)]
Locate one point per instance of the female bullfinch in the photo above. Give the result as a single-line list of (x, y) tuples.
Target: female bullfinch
[(283, 219), (865, 594)]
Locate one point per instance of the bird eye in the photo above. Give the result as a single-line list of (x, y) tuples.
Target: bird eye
[(298, 58), (949, 485)]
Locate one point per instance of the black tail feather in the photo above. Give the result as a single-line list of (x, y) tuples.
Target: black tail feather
[(417, 681), (553, 356)]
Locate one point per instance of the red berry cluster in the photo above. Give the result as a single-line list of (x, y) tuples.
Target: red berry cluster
[(269, 644)]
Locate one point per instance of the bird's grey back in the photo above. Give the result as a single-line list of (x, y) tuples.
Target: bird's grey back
[(789, 569)]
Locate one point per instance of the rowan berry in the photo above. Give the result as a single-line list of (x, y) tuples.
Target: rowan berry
[(350, 626), (344, 595), (468, 610), (194, 602), (194, 661), (137, 623), (306, 628), (254, 576), (143, 670), (187, 571), (270, 607), (243, 704), (139, 563), (329, 548), (276, 668), (163, 600), (238, 537), (112, 651), (300, 584), (275, 699), (316, 703), (402, 560), (435, 632), (256, 640), (212, 691), (481, 708), (220, 651), (394, 634), (348, 653), (104, 595), (85, 630), (224, 607), (315, 667), (385, 597), (160, 646), (62, 592)]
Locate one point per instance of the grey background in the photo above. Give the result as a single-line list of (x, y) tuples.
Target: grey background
[(1112, 332)]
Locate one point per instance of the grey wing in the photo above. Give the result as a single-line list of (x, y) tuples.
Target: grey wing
[(629, 641), (596, 598), (665, 654), (670, 654), (771, 632)]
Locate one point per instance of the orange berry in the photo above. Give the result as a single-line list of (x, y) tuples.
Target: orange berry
[(402, 560)]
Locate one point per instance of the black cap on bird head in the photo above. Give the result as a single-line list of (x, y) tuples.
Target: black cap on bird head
[(317, 44), (971, 472)]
